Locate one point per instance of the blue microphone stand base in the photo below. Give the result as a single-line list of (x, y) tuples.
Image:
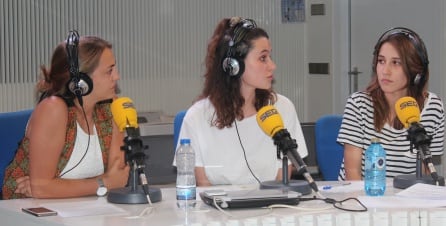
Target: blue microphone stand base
[(405, 181)]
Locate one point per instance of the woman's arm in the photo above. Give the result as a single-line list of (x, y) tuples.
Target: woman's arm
[(200, 176), (117, 172), (46, 132), (352, 162)]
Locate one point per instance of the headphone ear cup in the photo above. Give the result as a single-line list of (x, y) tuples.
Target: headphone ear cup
[(417, 79), (233, 67), (81, 85)]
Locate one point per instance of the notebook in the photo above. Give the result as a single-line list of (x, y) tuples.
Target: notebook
[(249, 198)]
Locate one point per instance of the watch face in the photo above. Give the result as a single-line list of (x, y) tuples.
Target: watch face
[(101, 191)]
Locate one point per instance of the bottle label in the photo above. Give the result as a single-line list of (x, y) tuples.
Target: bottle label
[(380, 163), (186, 193)]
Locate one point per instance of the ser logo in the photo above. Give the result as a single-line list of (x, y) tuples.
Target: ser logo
[(408, 104), (127, 105), (267, 114)]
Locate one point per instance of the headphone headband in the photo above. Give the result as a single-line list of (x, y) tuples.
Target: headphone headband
[(418, 44), (72, 52), (232, 65), (240, 30), (80, 84)]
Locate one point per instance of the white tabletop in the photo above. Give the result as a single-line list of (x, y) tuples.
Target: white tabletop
[(165, 212)]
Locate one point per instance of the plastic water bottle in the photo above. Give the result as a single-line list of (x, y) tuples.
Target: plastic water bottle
[(375, 169), (186, 186)]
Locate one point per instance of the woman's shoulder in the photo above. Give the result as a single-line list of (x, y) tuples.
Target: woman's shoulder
[(434, 102), (285, 106), (52, 103), (51, 112), (360, 99), (360, 95), (52, 107), (200, 104), (283, 100), (200, 108), (432, 97)]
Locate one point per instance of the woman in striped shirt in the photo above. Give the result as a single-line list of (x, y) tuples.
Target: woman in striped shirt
[(400, 68)]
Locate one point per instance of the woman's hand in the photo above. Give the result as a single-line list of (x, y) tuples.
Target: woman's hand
[(116, 175), (23, 186)]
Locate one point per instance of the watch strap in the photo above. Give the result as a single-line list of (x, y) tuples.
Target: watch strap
[(100, 182)]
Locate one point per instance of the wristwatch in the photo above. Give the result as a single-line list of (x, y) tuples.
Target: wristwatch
[(102, 190)]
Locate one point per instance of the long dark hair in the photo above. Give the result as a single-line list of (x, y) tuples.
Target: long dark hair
[(412, 65), (222, 90)]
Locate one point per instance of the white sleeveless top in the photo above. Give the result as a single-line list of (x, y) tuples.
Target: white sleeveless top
[(92, 164)]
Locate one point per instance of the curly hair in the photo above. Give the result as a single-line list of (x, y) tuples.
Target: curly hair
[(223, 90)]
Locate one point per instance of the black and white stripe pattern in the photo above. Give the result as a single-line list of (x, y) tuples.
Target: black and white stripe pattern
[(357, 129)]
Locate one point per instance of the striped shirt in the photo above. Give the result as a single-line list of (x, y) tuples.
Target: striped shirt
[(357, 129)]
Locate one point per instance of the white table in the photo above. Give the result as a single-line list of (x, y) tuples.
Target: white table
[(166, 213)]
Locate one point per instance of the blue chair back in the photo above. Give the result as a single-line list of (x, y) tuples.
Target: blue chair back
[(177, 122), (329, 153), (12, 130)]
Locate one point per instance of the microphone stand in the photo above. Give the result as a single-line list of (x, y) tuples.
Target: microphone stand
[(285, 147), (418, 138), (135, 193)]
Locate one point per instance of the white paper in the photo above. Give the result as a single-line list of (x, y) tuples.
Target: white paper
[(424, 191), (85, 208), (416, 196), (399, 202)]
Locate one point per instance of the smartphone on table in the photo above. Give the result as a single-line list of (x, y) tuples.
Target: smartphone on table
[(39, 211)]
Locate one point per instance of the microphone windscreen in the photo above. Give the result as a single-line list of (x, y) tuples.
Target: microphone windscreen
[(124, 113), (407, 111), (269, 120)]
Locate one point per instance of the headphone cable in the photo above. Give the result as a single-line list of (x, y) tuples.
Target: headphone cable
[(88, 144), (244, 153)]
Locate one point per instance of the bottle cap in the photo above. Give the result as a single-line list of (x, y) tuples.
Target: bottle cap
[(375, 140), (185, 141)]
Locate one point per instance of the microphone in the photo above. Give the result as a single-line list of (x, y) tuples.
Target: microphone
[(271, 123), (125, 117), (408, 113), (124, 113)]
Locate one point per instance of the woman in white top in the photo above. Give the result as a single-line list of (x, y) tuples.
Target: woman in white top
[(230, 146)]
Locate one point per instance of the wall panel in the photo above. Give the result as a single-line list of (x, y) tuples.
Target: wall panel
[(159, 45)]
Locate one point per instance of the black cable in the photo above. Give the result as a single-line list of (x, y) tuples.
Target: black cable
[(88, 144), (338, 204), (244, 153)]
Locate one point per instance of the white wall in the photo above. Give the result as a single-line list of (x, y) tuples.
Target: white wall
[(159, 45), (319, 93)]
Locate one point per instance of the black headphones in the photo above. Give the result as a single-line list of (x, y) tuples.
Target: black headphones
[(80, 84), (233, 64), (418, 79)]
